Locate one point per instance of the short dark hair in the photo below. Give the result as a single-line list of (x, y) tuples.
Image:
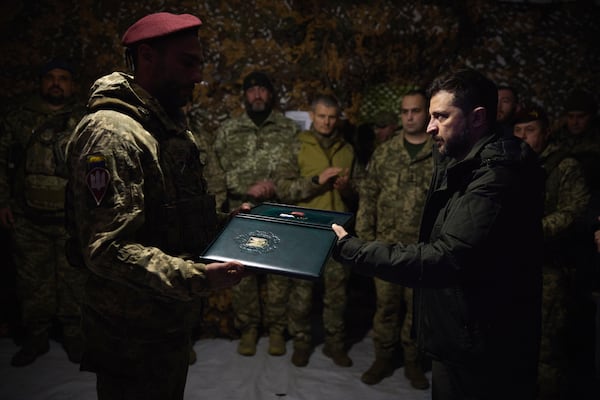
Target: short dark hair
[(470, 89), (327, 100), (511, 89)]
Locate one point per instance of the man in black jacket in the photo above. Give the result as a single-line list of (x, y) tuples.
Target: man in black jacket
[(477, 268)]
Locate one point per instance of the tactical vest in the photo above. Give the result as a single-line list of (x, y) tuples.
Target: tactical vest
[(44, 168), (185, 222)]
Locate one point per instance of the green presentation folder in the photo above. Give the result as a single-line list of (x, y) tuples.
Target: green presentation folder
[(280, 239)]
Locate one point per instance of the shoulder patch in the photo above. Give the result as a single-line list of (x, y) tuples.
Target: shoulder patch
[(97, 177)]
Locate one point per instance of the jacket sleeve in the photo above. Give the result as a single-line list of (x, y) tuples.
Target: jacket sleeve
[(107, 231), (464, 230), (291, 186), (366, 216)]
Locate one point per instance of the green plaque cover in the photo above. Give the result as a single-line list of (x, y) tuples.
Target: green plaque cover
[(281, 239)]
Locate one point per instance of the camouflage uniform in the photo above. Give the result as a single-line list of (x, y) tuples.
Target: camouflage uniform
[(32, 184), (566, 198), (297, 187), (249, 153), (392, 197), (138, 209)]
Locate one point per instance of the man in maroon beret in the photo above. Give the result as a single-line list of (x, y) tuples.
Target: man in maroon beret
[(139, 215)]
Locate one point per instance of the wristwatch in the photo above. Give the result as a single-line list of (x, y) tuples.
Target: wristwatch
[(315, 179)]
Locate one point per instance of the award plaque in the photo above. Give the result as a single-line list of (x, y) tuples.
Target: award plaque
[(280, 239)]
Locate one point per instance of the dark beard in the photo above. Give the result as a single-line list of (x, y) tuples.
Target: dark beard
[(55, 100), (459, 147)]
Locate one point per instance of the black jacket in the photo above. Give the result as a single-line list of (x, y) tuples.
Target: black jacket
[(477, 267)]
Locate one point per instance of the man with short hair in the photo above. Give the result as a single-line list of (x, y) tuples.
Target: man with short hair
[(319, 177), (140, 215), (508, 105), (32, 185), (250, 148), (566, 198), (476, 271), (404, 164)]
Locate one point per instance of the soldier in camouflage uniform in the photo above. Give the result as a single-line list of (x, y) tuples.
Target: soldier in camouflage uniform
[(250, 149), (32, 185), (391, 201), (139, 214), (319, 178), (566, 199)]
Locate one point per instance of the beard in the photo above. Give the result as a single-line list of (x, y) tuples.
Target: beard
[(55, 96), (458, 146)]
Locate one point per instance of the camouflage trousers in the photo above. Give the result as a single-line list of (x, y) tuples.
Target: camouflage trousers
[(552, 362), (393, 301), (335, 279), (247, 302), (47, 285)]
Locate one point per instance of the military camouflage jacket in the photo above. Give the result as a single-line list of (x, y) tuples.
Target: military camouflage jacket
[(135, 174), (392, 196), (566, 197), (249, 153), (18, 128)]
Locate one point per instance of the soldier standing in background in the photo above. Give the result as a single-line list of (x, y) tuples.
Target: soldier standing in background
[(139, 214), (250, 149), (565, 200), (319, 177), (404, 164), (32, 186), (508, 105)]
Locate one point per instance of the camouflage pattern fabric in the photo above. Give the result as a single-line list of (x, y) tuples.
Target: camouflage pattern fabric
[(247, 154), (391, 200), (47, 285), (139, 209), (566, 199)]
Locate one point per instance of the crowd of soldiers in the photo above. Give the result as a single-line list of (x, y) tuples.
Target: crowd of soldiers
[(257, 157)]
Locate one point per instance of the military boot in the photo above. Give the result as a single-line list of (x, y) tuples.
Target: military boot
[(381, 368), (33, 347), (414, 373), (247, 346), (301, 355), (338, 355), (276, 344)]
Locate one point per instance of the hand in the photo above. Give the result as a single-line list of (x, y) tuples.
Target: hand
[(342, 182), (224, 274), (329, 173), (6, 218), (262, 190), (244, 208), (339, 231)]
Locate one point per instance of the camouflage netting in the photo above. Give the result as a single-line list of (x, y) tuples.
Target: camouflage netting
[(366, 52)]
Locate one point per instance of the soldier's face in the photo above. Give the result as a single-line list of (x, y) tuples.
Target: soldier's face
[(578, 122), (177, 69), (507, 105), (533, 134), (57, 86), (258, 98), (413, 113), (324, 118)]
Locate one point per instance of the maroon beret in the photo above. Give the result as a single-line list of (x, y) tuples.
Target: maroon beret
[(159, 24)]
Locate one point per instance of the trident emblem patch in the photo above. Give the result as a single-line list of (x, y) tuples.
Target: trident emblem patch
[(97, 181)]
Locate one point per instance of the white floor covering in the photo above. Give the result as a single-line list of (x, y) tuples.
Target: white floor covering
[(219, 373)]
